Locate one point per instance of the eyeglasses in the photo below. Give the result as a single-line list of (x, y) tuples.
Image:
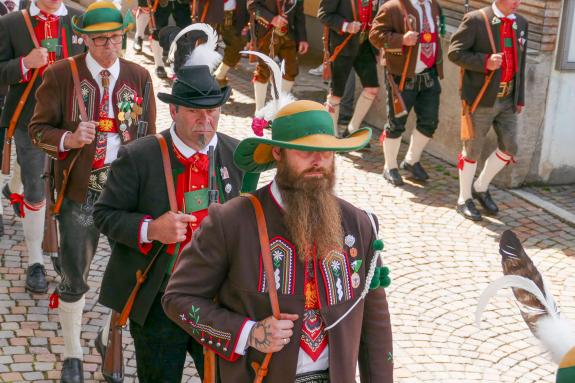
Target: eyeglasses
[(101, 41)]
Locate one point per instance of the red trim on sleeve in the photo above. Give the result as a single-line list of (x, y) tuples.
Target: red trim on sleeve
[(144, 247), (233, 357), (63, 155)]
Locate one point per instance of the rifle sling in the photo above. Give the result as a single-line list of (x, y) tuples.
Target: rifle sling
[(489, 77), (29, 86), (141, 277), (83, 117), (262, 369)]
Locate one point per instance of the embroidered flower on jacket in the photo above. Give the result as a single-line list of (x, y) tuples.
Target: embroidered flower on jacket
[(278, 256), (514, 26)]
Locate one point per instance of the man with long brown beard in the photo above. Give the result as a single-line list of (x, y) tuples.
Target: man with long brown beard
[(324, 256)]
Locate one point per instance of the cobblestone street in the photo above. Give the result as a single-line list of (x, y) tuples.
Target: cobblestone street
[(440, 263)]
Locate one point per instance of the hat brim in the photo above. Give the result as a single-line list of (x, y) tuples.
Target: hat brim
[(201, 102), (254, 154)]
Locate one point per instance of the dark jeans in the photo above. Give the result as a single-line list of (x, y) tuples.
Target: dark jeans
[(161, 347), (420, 93)]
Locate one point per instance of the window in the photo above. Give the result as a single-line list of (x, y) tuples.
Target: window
[(566, 50)]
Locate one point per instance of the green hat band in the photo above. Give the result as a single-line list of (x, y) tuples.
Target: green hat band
[(308, 123), (565, 375), (102, 15)]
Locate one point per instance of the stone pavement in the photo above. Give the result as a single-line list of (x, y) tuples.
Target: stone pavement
[(439, 263)]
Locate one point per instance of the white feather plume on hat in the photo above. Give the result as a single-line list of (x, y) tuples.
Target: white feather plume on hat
[(279, 97), (203, 54)]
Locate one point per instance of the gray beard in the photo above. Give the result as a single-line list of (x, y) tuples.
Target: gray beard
[(202, 141)]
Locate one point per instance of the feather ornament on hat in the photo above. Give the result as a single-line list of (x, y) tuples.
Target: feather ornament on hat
[(264, 116), (203, 54), (536, 303)]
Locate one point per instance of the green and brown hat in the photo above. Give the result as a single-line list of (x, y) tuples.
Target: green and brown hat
[(301, 125), (102, 17)]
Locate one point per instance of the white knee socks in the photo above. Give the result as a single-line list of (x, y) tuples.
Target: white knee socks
[(71, 322), (416, 146), (493, 165), (390, 152), (362, 106), (33, 225), (141, 23), (467, 170), (221, 72), (157, 51), (287, 85)]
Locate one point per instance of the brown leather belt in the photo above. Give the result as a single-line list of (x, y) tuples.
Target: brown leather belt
[(505, 88)]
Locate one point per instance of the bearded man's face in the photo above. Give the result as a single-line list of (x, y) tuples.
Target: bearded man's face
[(312, 215)]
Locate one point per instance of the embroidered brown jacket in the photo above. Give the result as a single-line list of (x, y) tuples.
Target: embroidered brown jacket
[(387, 32), (56, 112), (470, 49), (224, 261)]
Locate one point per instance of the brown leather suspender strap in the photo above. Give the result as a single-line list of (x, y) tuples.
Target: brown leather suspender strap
[(83, 117), (205, 11), (141, 277), (20, 106), (491, 73), (262, 370)]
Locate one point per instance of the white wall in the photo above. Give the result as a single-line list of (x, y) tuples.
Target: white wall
[(557, 163)]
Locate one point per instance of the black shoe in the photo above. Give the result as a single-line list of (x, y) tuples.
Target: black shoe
[(486, 201), (417, 171), (16, 206), (138, 44), (36, 279), (393, 176), (468, 210), (72, 371), (161, 72)]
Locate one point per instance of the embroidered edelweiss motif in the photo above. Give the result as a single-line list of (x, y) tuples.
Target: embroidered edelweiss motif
[(514, 26), (278, 256), (496, 20), (335, 266), (349, 240)]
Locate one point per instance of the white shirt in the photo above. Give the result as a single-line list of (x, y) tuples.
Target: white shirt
[(229, 5), (420, 66), (500, 14), (113, 140), (304, 362), (187, 152)]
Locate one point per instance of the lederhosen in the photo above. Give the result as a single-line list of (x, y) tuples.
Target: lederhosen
[(231, 31), (363, 59)]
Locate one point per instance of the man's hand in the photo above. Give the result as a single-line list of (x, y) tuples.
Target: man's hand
[(83, 135), (37, 58), (170, 227), (353, 27), (494, 61), (410, 38), (270, 334), (279, 21), (302, 47)]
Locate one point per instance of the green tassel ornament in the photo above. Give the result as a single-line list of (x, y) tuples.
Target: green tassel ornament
[(380, 278)]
